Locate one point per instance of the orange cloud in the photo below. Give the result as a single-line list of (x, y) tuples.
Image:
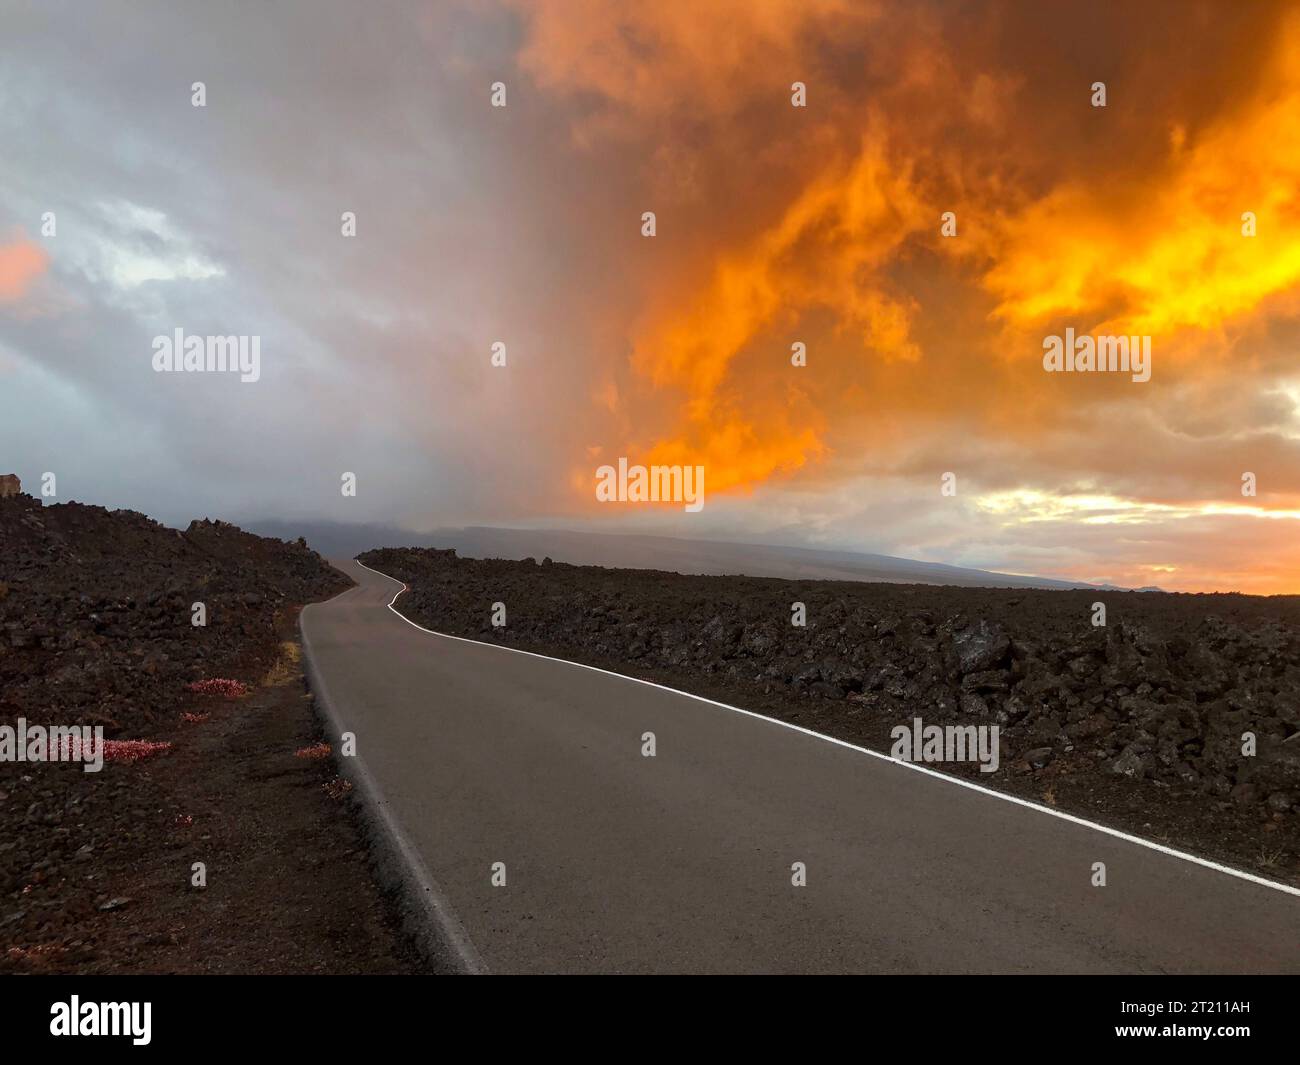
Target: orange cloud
[(21, 262), (640, 63), (856, 219), (1174, 256), (822, 225)]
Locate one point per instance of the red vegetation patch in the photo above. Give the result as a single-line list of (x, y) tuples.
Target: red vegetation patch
[(231, 689), (315, 751), (337, 788), (126, 751), (129, 751), (194, 719), (38, 954)]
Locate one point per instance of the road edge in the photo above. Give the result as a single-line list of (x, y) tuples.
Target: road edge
[(427, 916), (1096, 826)]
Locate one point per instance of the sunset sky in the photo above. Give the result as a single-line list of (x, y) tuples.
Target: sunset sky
[(775, 224)]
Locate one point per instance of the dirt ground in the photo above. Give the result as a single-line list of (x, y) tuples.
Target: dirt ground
[(288, 887), (97, 870)]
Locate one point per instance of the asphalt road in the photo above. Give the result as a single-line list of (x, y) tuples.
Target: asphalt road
[(616, 862)]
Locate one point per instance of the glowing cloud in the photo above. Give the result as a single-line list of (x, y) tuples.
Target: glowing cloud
[(21, 263)]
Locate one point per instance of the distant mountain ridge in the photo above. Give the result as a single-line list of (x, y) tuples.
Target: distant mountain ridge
[(637, 551)]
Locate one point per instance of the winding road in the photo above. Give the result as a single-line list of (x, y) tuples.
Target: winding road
[(682, 862)]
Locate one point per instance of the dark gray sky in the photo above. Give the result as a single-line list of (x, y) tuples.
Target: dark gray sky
[(225, 219)]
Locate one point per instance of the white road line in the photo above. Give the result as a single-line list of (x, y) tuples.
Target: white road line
[(441, 934), (1170, 851)]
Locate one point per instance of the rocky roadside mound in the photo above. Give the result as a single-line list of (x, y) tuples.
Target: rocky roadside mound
[(1139, 721), (96, 612)]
